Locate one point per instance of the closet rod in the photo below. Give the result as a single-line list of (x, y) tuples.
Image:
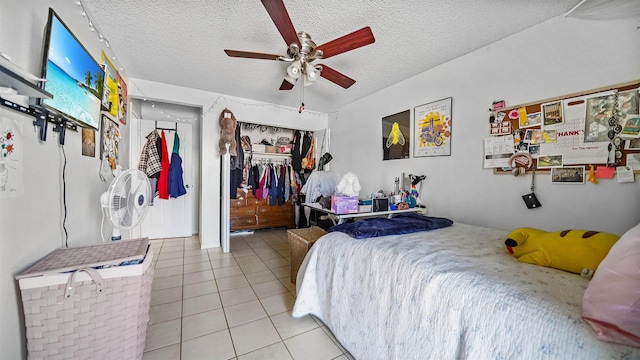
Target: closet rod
[(157, 128)]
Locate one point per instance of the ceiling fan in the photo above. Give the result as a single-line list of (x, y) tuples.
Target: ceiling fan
[(302, 51)]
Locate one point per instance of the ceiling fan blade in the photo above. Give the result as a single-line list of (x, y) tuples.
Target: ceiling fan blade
[(251, 55), (278, 13), (286, 85), (348, 42), (336, 77)]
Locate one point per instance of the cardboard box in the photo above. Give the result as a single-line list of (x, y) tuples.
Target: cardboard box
[(344, 204), (270, 149)]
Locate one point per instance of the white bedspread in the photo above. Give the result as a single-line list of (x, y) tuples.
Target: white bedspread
[(452, 293)]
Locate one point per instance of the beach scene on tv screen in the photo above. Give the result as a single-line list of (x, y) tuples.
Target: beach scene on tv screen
[(73, 77)]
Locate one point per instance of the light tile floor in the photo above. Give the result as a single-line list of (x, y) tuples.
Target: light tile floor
[(206, 304)]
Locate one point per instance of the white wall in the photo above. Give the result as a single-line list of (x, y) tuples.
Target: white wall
[(559, 57), (31, 225), (212, 104)]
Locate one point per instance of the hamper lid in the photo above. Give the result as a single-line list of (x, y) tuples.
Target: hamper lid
[(74, 258)]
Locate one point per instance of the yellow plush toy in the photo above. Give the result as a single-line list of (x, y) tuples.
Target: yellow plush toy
[(576, 251)]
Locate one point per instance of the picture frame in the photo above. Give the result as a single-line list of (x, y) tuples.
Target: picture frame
[(432, 128), (122, 100), (110, 96), (568, 175), (109, 140), (396, 136)]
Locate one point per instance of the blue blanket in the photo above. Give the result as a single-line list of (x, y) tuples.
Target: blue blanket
[(400, 224)]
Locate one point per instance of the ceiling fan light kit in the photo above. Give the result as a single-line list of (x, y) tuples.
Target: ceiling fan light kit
[(302, 50)]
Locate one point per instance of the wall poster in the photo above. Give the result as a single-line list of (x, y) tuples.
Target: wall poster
[(432, 128), (110, 137), (122, 92), (11, 160), (88, 142), (110, 96), (396, 139)]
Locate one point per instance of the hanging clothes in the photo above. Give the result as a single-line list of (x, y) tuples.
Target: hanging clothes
[(253, 178), (273, 186), (296, 152), (163, 181), (176, 183), (150, 162), (236, 165)]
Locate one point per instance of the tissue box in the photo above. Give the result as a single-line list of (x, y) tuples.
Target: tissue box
[(285, 149), (344, 204)]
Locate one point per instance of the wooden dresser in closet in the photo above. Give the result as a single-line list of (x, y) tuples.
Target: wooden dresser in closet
[(248, 213)]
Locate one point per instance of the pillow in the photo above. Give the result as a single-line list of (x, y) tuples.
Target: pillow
[(576, 251), (611, 303)]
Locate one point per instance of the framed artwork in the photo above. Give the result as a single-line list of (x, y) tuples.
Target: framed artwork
[(432, 129), (396, 139), (568, 175), (110, 94), (122, 100), (110, 137), (88, 142)]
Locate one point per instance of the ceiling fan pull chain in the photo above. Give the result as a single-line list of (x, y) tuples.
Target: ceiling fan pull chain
[(301, 109)]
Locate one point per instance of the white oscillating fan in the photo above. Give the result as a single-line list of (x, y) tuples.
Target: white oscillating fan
[(126, 201)]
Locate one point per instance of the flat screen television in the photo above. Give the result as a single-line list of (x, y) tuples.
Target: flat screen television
[(73, 76)]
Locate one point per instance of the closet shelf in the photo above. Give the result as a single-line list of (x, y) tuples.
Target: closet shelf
[(23, 86)]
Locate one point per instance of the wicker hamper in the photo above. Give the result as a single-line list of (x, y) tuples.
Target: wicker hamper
[(300, 241), (82, 303)]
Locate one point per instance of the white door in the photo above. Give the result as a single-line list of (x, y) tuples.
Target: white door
[(172, 217)]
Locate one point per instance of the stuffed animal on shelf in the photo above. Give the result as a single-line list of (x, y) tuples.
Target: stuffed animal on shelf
[(576, 251), (349, 185), (228, 125)]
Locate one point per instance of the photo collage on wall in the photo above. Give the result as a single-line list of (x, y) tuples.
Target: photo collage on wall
[(573, 136)]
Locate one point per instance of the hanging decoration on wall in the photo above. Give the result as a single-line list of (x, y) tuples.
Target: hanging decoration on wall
[(432, 128), (110, 96), (395, 136), (122, 99), (11, 163), (228, 123), (110, 137), (88, 142)]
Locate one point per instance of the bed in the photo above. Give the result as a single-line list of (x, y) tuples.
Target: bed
[(450, 293)]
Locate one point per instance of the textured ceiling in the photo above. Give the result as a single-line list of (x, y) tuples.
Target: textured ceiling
[(181, 42)]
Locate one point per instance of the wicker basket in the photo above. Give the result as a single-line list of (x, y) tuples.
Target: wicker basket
[(300, 241), (77, 312)]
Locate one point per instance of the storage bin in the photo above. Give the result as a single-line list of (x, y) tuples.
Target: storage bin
[(82, 303), (300, 241), (344, 204)]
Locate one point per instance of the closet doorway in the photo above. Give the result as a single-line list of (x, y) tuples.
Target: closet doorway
[(169, 218)]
